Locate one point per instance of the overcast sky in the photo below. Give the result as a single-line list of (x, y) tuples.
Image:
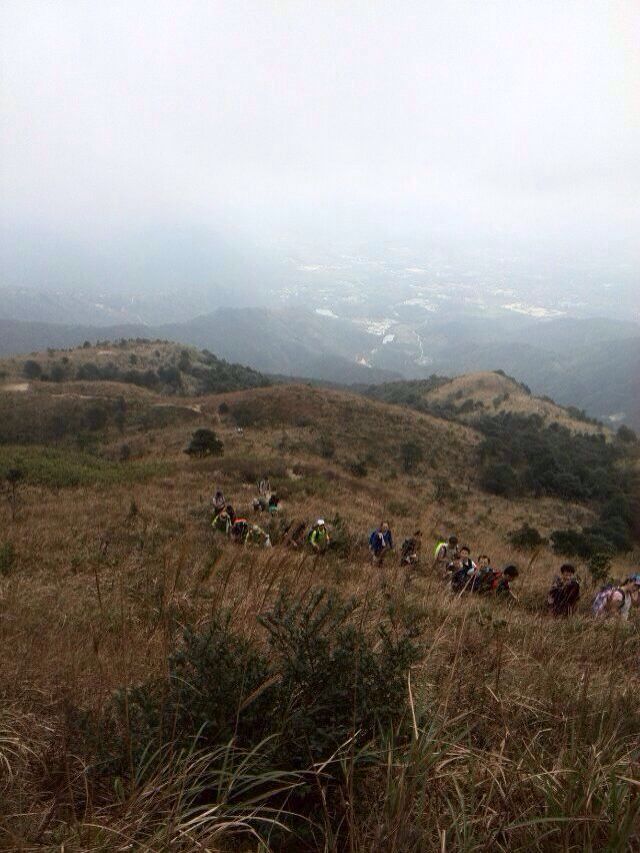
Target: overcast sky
[(493, 115)]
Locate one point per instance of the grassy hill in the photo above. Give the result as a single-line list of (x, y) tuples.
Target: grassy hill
[(165, 689), (490, 393)]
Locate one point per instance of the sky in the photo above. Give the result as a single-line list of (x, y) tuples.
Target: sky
[(499, 116)]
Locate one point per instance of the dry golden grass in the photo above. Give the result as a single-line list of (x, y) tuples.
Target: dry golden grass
[(102, 577), (499, 393)]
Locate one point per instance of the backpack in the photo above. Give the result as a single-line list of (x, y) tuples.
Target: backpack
[(601, 600), (441, 550), (461, 579), (486, 581)]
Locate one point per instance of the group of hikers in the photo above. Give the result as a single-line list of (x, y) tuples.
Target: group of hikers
[(451, 561), (465, 575)]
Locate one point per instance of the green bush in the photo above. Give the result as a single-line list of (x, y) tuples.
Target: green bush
[(599, 566), (499, 479), (319, 680), (31, 369), (7, 558), (357, 468), (204, 442), (525, 537), (627, 435)]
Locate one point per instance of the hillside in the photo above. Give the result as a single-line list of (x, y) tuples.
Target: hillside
[(158, 365), (475, 395), (170, 690), (591, 364)]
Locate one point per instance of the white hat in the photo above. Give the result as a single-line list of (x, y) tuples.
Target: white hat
[(320, 522)]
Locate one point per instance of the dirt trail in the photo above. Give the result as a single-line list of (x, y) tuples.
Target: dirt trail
[(16, 386)]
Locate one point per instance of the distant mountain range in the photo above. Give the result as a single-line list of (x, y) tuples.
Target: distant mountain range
[(592, 364)]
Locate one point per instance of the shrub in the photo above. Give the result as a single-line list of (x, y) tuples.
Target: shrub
[(204, 442), (628, 436), (525, 537), (599, 566), (223, 409), (499, 479), (7, 558), (575, 543), (324, 680), (358, 468), (31, 369)]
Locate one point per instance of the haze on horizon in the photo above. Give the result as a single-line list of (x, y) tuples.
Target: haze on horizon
[(267, 121)]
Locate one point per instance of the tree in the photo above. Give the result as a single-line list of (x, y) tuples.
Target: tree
[(31, 369), (204, 442), (626, 435), (500, 479)]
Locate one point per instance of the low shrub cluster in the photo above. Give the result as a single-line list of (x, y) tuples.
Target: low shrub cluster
[(318, 681)]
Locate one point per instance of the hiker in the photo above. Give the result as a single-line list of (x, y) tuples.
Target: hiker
[(565, 592), (495, 582), (267, 503), (617, 600), (264, 486), (465, 557), (446, 551), (239, 530), (273, 503), (502, 585), (257, 537), (318, 537), (260, 504), (410, 550), (294, 534), (483, 568), (463, 571), (223, 519), (380, 542)]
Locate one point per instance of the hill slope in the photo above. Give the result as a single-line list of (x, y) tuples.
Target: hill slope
[(163, 685)]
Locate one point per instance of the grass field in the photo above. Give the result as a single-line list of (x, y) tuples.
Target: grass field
[(383, 714)]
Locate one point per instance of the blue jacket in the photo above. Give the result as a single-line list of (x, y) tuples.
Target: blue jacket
[(378, 541)]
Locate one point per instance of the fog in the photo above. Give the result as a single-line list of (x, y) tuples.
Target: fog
[(319, 121)]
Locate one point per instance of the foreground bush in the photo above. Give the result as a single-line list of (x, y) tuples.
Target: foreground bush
[(320, 682)]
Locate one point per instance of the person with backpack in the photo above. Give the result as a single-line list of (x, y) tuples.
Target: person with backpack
[(483, 570), (294, 534), (318, 538), (256, 537), (446, 551), (380, 542), (410, 550), (239, 530), (493, 582), (219, 501), (465, 558), (615, 600), (563, 596), (462, 576), (223, 519), (264, 486)]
